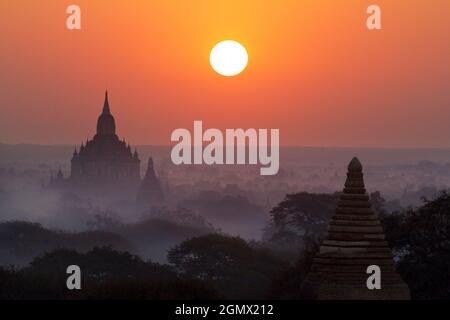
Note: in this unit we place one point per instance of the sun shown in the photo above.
(228, 58)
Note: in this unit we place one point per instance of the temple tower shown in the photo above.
(105, 161)
(355, 240)
(150, 192)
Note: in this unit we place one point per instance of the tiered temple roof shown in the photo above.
(355, 240)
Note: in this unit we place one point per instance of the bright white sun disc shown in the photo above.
(228, 58)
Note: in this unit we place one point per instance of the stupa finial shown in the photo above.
(355, 165)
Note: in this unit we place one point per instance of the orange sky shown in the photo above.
(315, 71)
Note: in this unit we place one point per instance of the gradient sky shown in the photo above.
(315, 71)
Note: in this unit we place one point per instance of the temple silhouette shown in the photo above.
(106, 166)
(105, 159)
(355, 240)
(150, 191)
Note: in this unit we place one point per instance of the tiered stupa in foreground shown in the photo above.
(355, 241)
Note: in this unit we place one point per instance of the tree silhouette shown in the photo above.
(106, 274)
(421, 239)
(228, 263)
(304, 213)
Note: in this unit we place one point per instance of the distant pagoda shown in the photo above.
(105, 167)
(354, 241)
(105, 159)
(150, 192)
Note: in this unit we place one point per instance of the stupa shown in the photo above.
(150, 192)
(355, 240)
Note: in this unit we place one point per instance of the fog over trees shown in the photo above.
(219, 228)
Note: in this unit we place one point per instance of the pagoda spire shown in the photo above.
(106, 125)
(150, 192)
(106, 109)
(150, 173)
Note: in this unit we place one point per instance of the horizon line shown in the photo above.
(281, 146)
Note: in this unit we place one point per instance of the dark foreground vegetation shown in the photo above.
(215, 265)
